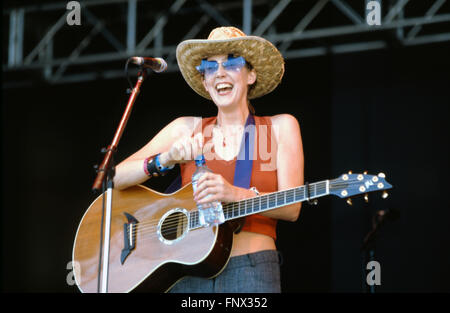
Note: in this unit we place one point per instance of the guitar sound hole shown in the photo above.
(174, 226)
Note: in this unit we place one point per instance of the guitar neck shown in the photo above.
(267, 202)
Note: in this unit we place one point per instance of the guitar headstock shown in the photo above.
(350, 184)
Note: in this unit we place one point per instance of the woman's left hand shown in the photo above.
(218, 188)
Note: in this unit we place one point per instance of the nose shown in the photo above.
(220, 70)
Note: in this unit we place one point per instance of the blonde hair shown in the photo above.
(249, 88)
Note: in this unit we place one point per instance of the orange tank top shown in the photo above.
(264, 173)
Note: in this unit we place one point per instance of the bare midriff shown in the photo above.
(250, 242)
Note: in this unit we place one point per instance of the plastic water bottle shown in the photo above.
(209, 213)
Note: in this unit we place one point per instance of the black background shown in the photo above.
(380, 111)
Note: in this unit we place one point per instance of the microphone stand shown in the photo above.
(105, 177)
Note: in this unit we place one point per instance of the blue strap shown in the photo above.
(244, 161)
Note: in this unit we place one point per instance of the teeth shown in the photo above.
(223, 86)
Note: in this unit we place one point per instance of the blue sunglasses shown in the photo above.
(210, 67)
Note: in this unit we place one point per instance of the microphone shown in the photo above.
(156, 64)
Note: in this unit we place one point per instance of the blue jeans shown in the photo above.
(249, 273)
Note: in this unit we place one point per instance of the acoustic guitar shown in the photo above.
(156, 239)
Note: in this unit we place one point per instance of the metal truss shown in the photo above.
(41, 41)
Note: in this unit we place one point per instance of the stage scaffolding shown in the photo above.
(40, 45)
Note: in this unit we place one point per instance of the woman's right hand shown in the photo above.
(183, 150)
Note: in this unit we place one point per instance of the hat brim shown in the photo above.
(259, 52)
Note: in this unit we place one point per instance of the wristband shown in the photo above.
(152, 167)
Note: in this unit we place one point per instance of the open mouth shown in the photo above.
(224, 88)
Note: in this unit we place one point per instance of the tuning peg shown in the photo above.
(366, 197)
(365, 172)
(382, 175)
(349, 201)
(350, 172)
(385, 194)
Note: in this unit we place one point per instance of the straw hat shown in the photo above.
(259, 52)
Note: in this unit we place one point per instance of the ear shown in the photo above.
(251, 78)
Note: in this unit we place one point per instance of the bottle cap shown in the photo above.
(199, 160)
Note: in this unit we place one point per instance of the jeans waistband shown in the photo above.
(251, 259)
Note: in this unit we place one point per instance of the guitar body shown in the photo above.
(159, 256)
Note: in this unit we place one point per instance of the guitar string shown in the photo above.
(170, 227)
(175, 220)
(272, 199)
(234, 205)
(172, 224)
(166, 232)
(150, 234)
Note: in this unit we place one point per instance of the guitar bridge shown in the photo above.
(129, 234)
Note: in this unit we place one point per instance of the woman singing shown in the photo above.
(230, 69)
